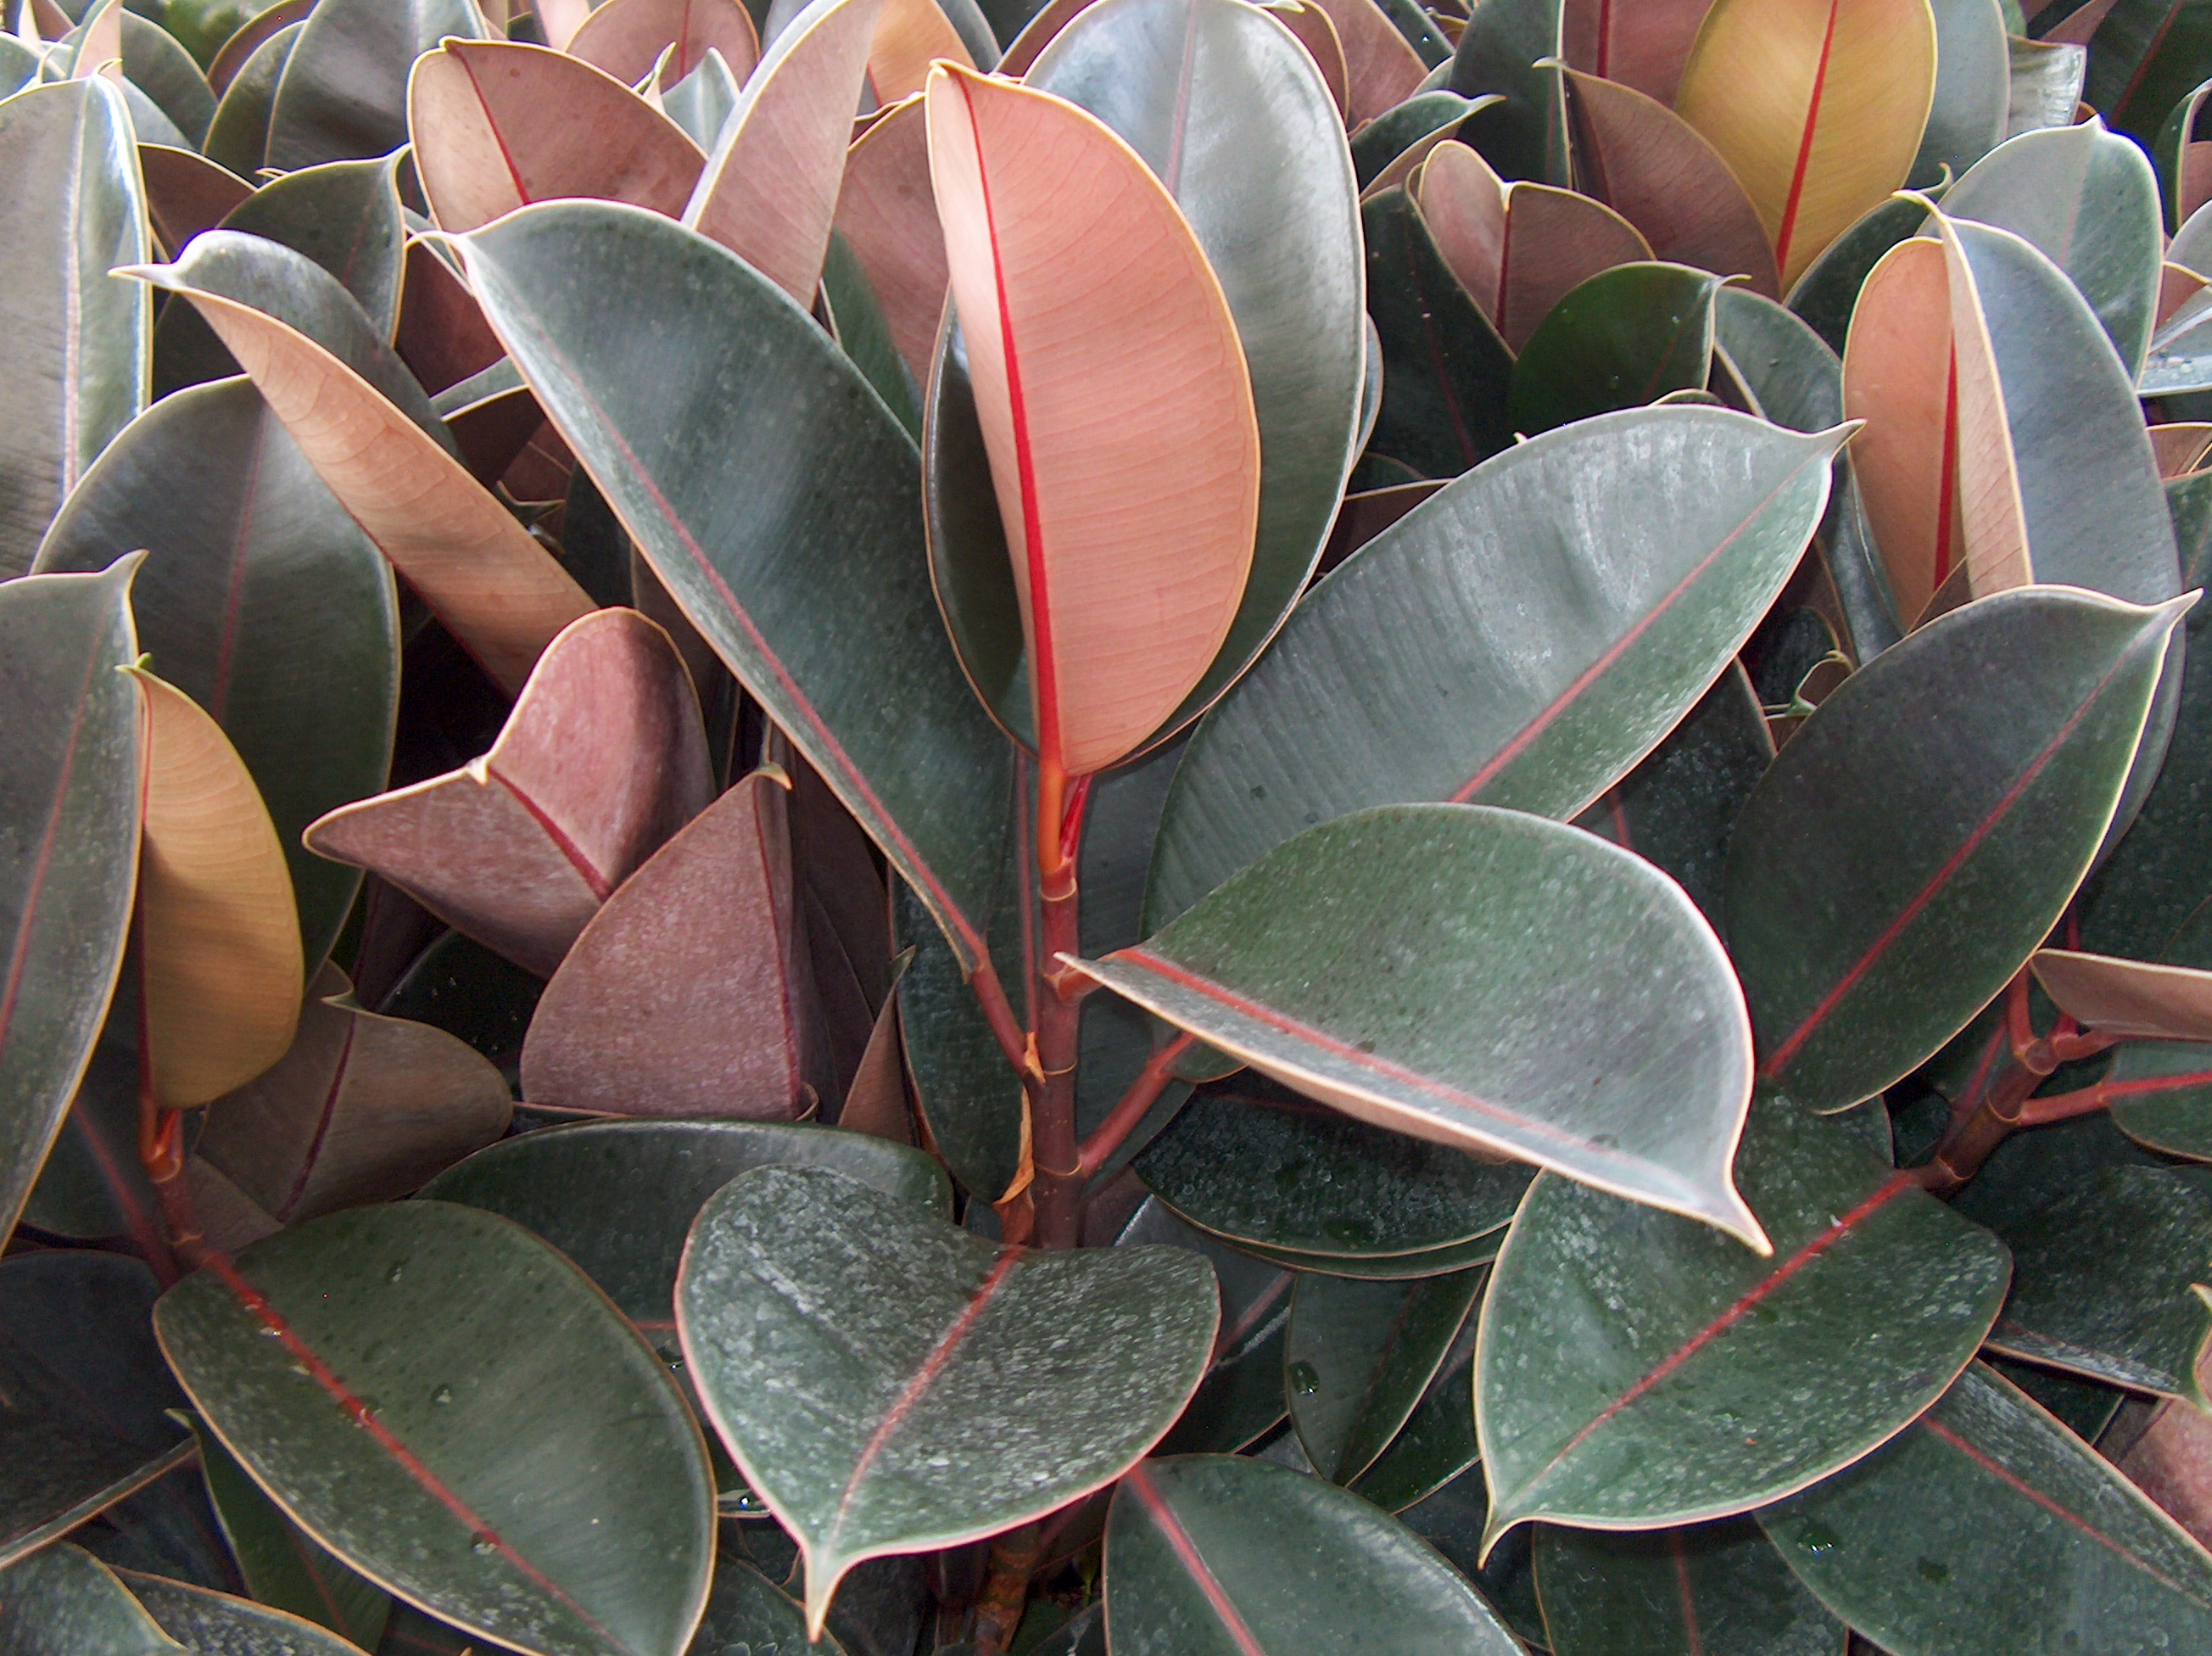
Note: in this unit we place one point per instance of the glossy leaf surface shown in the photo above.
(887, 1382)
(1715, 1590)
(1382, 68)
(1817, 107)
(208, 1623)
(1359, 1355)
(887, 212)
(601, 761)
(2128, 997)
(1958, 846)
(625, 37)
(238, 137)
(384, 1415)
(1604, 1320)
(1973, 99)
(73, 356)
(1411, 675)
(1622, 340)
(63, 1601)
(1987, 1519)
(69, 774)
(1437, 1442)
(342, 95)
(1223, 1555)
(811, 597)
(618, 1197)
(1525, 137)
(261, 599)
(1548, 1061)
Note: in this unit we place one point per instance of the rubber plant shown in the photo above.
(1128, 828)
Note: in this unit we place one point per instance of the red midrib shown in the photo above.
(284, 1211)
(1139, 1483)
(257, 1306)
(1804, 1031)
(1682, 1590)
(498, 137)
(782, 923)
(2150, 55)
(2155, 1084)
(1887, 1192)
(234, 597)
(1790, 207)
(1045, 668)
(1605, 39)
(917, 1384)
(586, 870)
(1946, 490)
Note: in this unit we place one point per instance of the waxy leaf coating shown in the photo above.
(395, 1376)
(1358, 1356)
(64, 1601)
(1635, 1371)
(1425, 967)
(1893, 869)
(1712, 1590)
(1521, 638)
(218, 1624)
(890, 1384)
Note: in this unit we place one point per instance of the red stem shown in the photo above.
(1135, 1104)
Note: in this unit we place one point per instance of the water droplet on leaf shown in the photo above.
(444, 1394)
(1305, 1379)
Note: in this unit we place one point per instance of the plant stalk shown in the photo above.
(1057, 1190)
(1007, 1588)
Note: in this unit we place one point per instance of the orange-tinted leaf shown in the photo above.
(770, 189)
(1642, 44)
(219, 936)
(888, 213)
(498, 124)
(682, 997)
(185, 193)
(2133, 998)
(1115, 402)
(1382, 70)
(562, 18)
(1817, 106)
(1657, 172)
(1310, 24)
(2181, 447)
(626, 38)
(2177, 286)
(910, 36)
(602, 759)
(359, 1109)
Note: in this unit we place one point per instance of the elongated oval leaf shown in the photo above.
(363, 1368)
(498, 124)
(1225, 1556)
(71, 768)
(1641, 47)
(618, 1197)
(770, 191)
(185, 193)
(1635, 1371)
(1815, 105)
(238, 137)
(1110, 440)
(342, 95)
(1987, 1523)
(261, 599)
(2137, 998)
(1411, 675)
(625, 37)
(1890, 874)
(203, 1621)
(1359, 1355)
(1382, 68)
(1555, 241)
(63, 1601)
(811, 597)
(887, 211)
(74, 356)
(1714, 1590)
(603, 758)
(1622, 340)
(1515, 50)
(1973, 98)
(499, 591)
(1544, 1054)
(219, 932)
(889, 1384)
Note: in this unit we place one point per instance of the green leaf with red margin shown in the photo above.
(889, 1384)
(1622, 340)
(1437, 1442)
(809, 593)
(1892, 870)
(83, 1392)
(1988, 1526)
(1548, 1056)
(1360, 1353)
(342, 95)
(1710, 1590)
(364, 1369)
(64, 1601)
(2146, 57)
(70, 756)
(1229, 1556)
(1636, 1370)
(202, 1620)
(1521, 638)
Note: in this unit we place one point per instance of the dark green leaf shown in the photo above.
(1360, 1353)
(2082, 1407)
(64, 1602)
(1825, 295)
(1254, 1163)
(157, 65)
(1393, 132)
(1622, 340)
(748, 1612)
(1592, 1068)
(93, 1185)
(2143, 59)
(1225, 1556)
(1974, 90)
(1385, 1268)
(262, 601)
(1437, 1442)
(386, 1373)
(808, 580)
(1892, 871)
(1987, 1525)
(73, 355)
(618, 1197)
(70, 756)
(343, 95)
(1446, 374)
(970, 1095)
(862, 333)
(1525, 135)
(888, 1383)
(1521, 638)
(1637, 1371)
(216, 1624)
(83, 1392)
(1712, 1589)
(238, 137)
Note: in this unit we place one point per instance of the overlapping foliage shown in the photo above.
(1136, 828)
